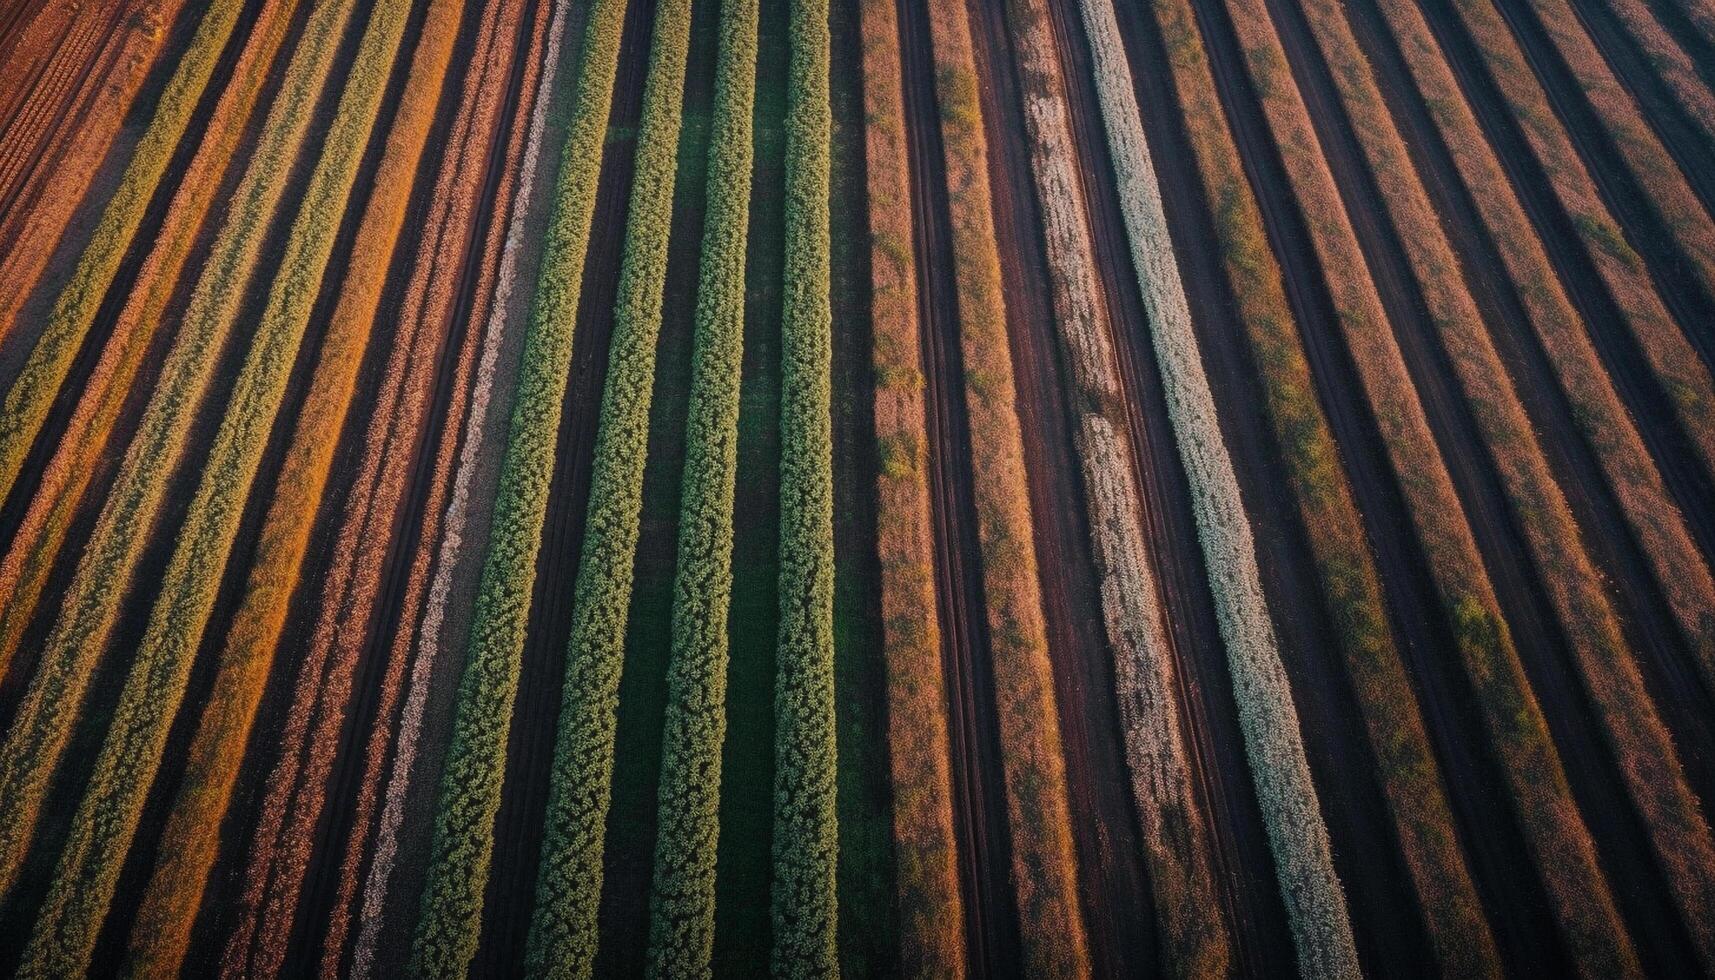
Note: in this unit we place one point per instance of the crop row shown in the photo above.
(1670, 812)
(296, 789)
(563, 934)
(682, 900)
(1517, 731)
(469, 797)
(32, 393)
(429, 640)
(51, 182)
(932, 936)
(1637, 483)
(1670, 61)
(31, 552)
(44, 720)
(75, 62)
(804, 907)
(192, 834)
(105, 821)
(1044, 860)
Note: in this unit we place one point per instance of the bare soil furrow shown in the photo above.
(991, 924)
(1647, 228)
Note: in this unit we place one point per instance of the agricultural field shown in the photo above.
(687, 488)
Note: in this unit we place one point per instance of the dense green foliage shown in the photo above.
(682, 904)
(805, 832)
(44, 720)
(101, 831)
(447, 933)
(32, 394)
(563, 935)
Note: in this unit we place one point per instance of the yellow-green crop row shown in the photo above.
(682, 901)
(91, 604)
(805, 843)
(451, 919)
(563, 934)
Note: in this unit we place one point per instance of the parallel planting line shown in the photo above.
(805, 837)
(36, 542)
(161, 934)
(1298, 838)
(1647, 757)
(32, 394)
(932, 938)
(1517, 730)
(88, 871)
(1598, 125)
(44, 720)
(296, 792)
(429, 641)
(682, 901)
(449, 928)
(1592, 404)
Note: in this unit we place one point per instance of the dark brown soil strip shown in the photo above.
(17, 917)
(979, 796)
(39, 305)
(1669, 667)
(1666, 115)
(1673, 18)
(1645, 228)
(1477, 792)
(1621, 840)
(1649, 405)
(1240, 845)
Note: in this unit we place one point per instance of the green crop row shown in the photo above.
(682, 903)
(563, 935)
(32, 394)
(91, 604)
(805, 831)
(450, 923)
(101, 831)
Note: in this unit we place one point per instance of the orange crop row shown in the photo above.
(1045, 868)
(1648, 759)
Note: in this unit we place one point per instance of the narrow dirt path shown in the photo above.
(980, 821)
(1650, 627)
(1645, 228)
(1638, 386)
(1614, 823)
